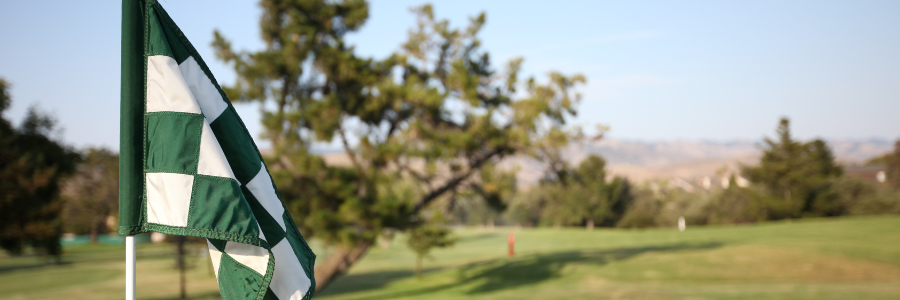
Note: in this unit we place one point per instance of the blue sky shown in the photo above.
(657, 70)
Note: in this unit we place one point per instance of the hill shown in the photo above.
(685, 159)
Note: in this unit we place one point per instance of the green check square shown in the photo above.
(173, 142)
(237, 281)
(218, 204)
(237, 144)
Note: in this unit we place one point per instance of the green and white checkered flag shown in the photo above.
(199, 172)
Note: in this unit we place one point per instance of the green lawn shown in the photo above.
(846, 258)
(98, 272)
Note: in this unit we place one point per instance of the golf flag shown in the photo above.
(190, 167)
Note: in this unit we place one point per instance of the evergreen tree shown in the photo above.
(620, 197)
(32, 164)
(436, 112)
(92, 193)
(584, 196)
(892, 164)
(422, 239)
(482, 202)
(797, 176)
(589, 193)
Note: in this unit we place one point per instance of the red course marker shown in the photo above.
(511, 241)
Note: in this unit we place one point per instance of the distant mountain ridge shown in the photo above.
(621, 151)
(691, 159)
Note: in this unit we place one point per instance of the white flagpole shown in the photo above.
(129, 267)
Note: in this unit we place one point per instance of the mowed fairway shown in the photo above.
(845, 258)
(97, 272)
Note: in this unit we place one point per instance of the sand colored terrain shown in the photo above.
(685, 159)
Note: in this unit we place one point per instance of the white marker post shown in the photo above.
(129, 267)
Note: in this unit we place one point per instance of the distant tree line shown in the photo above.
(33, 162)
(92, 194)
(48, 188)
(582, 196)
(792, 179)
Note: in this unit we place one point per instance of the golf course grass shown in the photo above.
(841, 258)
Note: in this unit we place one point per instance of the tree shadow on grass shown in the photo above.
(368, 281)
(207, 295)
(499, 274)
(477, 237)
(507, 274)
(35, 265)
(27, 262)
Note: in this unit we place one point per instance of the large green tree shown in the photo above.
(32, 164)
(582, 195)
(891, 163)
(436, 112)
(92, 194)
(485, 199)
(797, 175)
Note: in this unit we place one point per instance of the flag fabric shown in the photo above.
(201, 174)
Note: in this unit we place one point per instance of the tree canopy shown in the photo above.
(892, 163)
(92, 193)
(797, 176)
(581, 196)
(32, 164)
(435, 113)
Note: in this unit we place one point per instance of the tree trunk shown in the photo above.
(95, 230)
(418, 266)
(93, 234)
(590, 224)
(338, 263)
(179, 261)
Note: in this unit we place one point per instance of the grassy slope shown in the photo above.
(849, 258)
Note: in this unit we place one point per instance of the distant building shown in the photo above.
(741, 181)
